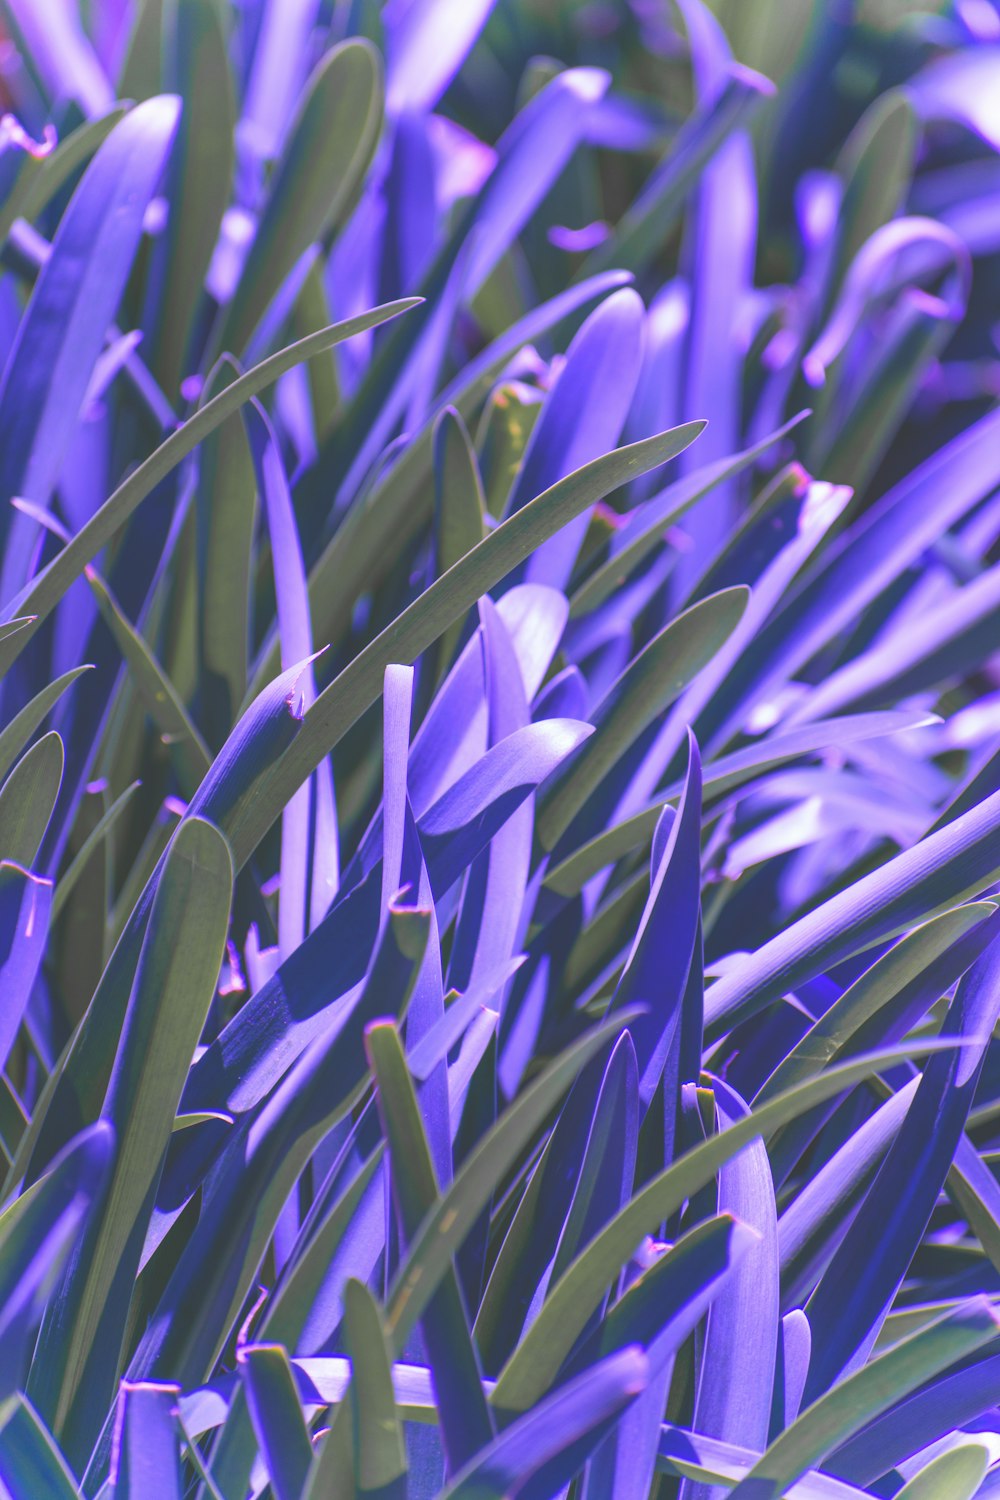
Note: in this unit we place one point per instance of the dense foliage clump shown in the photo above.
(499, 770)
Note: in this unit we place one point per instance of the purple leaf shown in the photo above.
(847, 1308)
(523, 1264)
(885, 541)
(50, 34)
(320, 977)
(309, 860)
(721, 253)
(146, 1456)
(489, 921)
(955, 1400)
(962, 86)
(582, 418)
(656, 972)
(426, 43)
(482, 800)
(277, 1416)
(942, 869)
(736, 1376)
(796, 1350)
(412, 210)
(814, 1224)
(607, 1166)
(76, 296)
(278, 72)
(659, 1310)
(265, 730)
(37, 1232)
(542, 1450)
(262, 1160)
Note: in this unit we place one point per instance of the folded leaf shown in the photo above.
(147, 1443)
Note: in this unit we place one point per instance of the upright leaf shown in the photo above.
(80, 1349)
(326, 154)
(75, 299)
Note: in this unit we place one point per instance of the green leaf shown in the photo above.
(903, 963)
(386, 520)
(27, 799)
(23, 725)
(860, 1397)
(277, 1417)
(851, 438)
(876, 166)
(645, 535)
(459, 509)
(263, 1158)
(200, 180)
(379, 1448)
(720, 777)
(142, 71)
(566, 1310)
(692, 1455)
(31, 1465)
(226, 503)
(329, 147)
(955, 1475)
(160, 698)
(465, 1418)
(459, 503)
(13, 1121)
(645, 689)
(39, 181)
(79, 1348)
(199, 1117)
(12, 627)
(45, 591)
(359, 685)
(445, 1228)
(285, 1317)
(163, 703)
(507, 422)
(91, 843)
